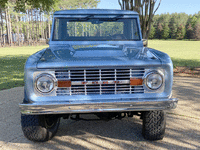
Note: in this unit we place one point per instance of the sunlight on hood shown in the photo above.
(100, 52)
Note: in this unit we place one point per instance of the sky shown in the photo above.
(167, 6)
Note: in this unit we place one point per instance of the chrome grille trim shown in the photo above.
(99, 81)
(85, 81)
(70, 90)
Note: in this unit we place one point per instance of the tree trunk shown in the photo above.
(30, 38)
(27, 27)
(49, 30)
(42, 29)
(10, 30)
(37, 27)
(2, 28)
(33, 34)
(41, 25)
(146, 11)
(7, 27)
(1, 25)
(17, 27)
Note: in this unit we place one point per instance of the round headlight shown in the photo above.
(154, 81)
(45, 83)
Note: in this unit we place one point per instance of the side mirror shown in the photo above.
(145, 42)
(47, 41)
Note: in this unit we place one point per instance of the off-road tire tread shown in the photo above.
(154, 123)
(34, 128)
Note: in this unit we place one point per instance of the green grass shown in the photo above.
(182, 53)
(19, 51)
(12, 62)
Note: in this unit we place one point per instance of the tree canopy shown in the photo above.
(21, 4)
(48, 5)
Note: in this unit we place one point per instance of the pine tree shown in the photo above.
(165, 32)
(180, 32)
(152, 32)
(189, 32)
(173, 26)
(159, 31)
(196, 31)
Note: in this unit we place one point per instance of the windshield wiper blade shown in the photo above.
(92, 17)
(88, 17)
(113, 18)
(118, 17)
(82, 19)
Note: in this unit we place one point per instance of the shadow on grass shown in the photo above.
(186, 63)
(12, 71)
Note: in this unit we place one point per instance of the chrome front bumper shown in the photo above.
(98, 106)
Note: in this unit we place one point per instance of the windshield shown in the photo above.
(96, 29)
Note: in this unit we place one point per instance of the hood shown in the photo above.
(96, 55)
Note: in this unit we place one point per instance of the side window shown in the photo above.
(55, 37)
(134, 27)
(60, 29)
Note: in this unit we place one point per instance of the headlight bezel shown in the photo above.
(45, 75)
(154, 72)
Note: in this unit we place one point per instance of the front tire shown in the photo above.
(154, 123)
(39, 128)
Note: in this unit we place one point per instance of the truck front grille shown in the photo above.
(99, 81)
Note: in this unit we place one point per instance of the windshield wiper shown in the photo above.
(118, 17)
(92, 17)
(88, 17)
(83, 19)
(113, 18)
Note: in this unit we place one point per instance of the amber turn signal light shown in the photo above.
(136, 82)
(65, 83)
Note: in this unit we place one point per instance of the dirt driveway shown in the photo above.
(183, 126)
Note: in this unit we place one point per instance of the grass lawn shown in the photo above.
(12, 60)
(182, 53)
